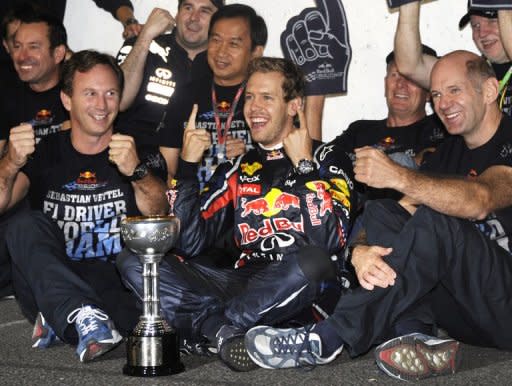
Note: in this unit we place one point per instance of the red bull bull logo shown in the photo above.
(223, 106)
(322, 193)
(257, 207)
(271, 204)
(86, 177)
(286, 200)
(387, 142)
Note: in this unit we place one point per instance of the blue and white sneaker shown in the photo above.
(96, 332)
(418, 356)
(280, 348)
(43, 335)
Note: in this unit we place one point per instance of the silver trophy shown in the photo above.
(153, 347)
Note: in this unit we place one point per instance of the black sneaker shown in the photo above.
(417, 356)
(231, 349)
(189, 346)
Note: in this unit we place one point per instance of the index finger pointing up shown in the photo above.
(191, 124)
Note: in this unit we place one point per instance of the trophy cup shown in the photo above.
(153, 347)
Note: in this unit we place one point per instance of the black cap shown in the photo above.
(488, 13)
(425, 49)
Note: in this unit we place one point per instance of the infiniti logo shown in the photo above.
(281, 240)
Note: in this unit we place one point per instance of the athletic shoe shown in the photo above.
(42, 335)
(190, 346)
(96, 332)
(279, 348)
(418, 356)
(231, 349)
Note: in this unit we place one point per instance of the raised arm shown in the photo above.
(149, 189)
(13, 183)
(158, 22)
(410, 60)
(314, 110)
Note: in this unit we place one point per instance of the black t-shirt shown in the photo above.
(44, 110)
(453, 157)
(501, 70)
(425, 133)
(166, 70)
(178, 113)
(411, 139)
(84, 194)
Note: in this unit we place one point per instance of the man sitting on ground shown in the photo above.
(81, 183)
(287, 204)
(448, 238)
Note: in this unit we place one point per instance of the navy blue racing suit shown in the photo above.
(285, 227)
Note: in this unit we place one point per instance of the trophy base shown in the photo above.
(152, 356)
(152, 371)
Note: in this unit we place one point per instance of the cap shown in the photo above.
(488, 13)
(425, 49)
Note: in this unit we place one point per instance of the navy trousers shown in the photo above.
(197, 290)
(46, 280)
(466, 278)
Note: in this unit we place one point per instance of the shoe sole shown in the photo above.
(95, 349)
(410, 359)
(233, 353)
(41, 335)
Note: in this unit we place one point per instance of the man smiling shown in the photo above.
(237, 34)
(63, 251)
(287, 205)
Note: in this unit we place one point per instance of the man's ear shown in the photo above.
(257, 52)
(59, 53)
(66, 100)
(5, 46)
(490, 90)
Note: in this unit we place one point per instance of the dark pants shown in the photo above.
(46, 280)
(467, 279)
(5, 259)
(195, 292)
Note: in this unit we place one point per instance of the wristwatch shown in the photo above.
(304, 166)
(130, 21)
(140, 171)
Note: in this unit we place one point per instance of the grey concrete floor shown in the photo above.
(22, 365)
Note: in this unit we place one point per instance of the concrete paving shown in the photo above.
(22, 365)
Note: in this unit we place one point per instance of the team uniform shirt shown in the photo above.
(179, 111)
(410, 140)
(505, 97)
(167, 68)
(455, 158)
(43, 110)
(85, 195)
(271, 210)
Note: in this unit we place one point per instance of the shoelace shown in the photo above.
(295, 343)
(86, 317)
